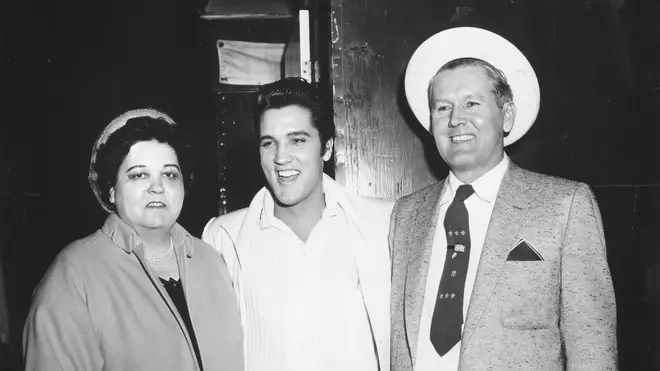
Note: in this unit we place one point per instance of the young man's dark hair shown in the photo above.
(296, 91)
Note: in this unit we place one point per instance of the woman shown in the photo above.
(141, 293)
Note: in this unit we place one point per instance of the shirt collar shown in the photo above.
(333, 207)
(127, 238)
(486, 187)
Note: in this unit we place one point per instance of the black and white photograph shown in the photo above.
(330, 185)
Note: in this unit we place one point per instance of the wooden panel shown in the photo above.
(578, 131)
(377, 152)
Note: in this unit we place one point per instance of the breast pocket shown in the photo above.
(529, 294)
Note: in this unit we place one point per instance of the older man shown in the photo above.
(309, 260)
(494, 267)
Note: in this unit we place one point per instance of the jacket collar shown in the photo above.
(486, 187)
(125, 237)
(335, 203)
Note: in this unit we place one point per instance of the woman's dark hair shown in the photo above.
(142, 129)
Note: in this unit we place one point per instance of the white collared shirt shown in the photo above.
(303, 304)
(480, 207)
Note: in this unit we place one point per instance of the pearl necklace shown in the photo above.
(160, 260)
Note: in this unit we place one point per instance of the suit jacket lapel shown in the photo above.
(506, 220)
(420, 247)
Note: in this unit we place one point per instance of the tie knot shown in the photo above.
(463, 192)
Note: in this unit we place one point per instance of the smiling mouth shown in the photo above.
(155, 205)
(464, 138)
(288, 174)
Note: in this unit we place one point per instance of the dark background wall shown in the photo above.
(67, 69)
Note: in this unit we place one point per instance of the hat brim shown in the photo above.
(117, 123)
(464, 42)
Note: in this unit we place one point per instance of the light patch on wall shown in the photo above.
(249, 63)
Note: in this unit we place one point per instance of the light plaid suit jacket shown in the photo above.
(556, 314)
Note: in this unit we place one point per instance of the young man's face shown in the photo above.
(467, 123)
(291, 157)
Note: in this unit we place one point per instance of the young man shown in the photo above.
(309, 261)
(495, 267)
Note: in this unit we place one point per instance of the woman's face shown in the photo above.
(149, 190)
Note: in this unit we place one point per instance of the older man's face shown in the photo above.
(466, 122)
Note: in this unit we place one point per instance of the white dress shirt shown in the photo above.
(480, 207)
(303, 304)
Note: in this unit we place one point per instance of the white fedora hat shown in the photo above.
(464, 42)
